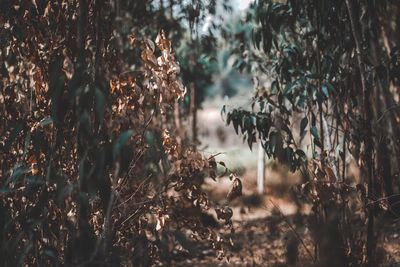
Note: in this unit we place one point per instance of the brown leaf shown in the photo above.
(236, 190)
(32, 159)
(330, 173)
(224, 213)
(132, 39)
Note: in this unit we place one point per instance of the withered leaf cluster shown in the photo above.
(93, 168)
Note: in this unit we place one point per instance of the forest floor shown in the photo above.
(268, 227)
(264, 225)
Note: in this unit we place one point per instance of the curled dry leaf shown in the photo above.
(161, 222)
(330, 173)
(212, 165)
(132, 39)
(224, 213)
(141, 102)
(236, 190)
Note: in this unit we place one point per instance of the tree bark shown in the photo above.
(193, 109)
(368, 141)
(260, 169)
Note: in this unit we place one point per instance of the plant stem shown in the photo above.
(368, 142)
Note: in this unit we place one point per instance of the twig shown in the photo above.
(134, 193)
(388, 206)
(387, 111)
(131, 216)
(368, 138)
(213, 156)
(293, 230)
(131, 166)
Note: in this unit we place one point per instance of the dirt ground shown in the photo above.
(268, 228)
(261, 231)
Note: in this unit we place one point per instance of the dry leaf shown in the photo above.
(236, 190)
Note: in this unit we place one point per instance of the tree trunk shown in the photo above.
(193, 109)
(368, 141)
(260, 169)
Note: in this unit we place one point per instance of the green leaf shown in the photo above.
(18, 172)
(33, 183)
(63, 192)
(314, 91)
(50, 252)
(302, 99)
(57, 100)
(236, 125)
(257, 38)
(250, 139)
(317, 143)
(313, 119)
(314, 132)
(303, 125)
(223, 110)
(272, 141)
(119, 144)
(262, 105)
(267, 40)
(247, 124)
(228, 119)
(311, 76)
(325, 91)
(289, 88)
(288, 152)
(84, 121)
(330, 87)
(46, 121)
(237, 120)
(275, 86)
(5, 191)
(301, 154)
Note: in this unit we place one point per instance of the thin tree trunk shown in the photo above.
(177, 120)
(99, 39)
(320, 104)
(193, 109)
(328, 145)
(368, 141)
(260, 169)
(388, 154)
(177, 115)
(171, 9)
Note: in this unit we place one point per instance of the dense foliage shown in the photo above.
(99, 166)
(95, 170)
(327, 82)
